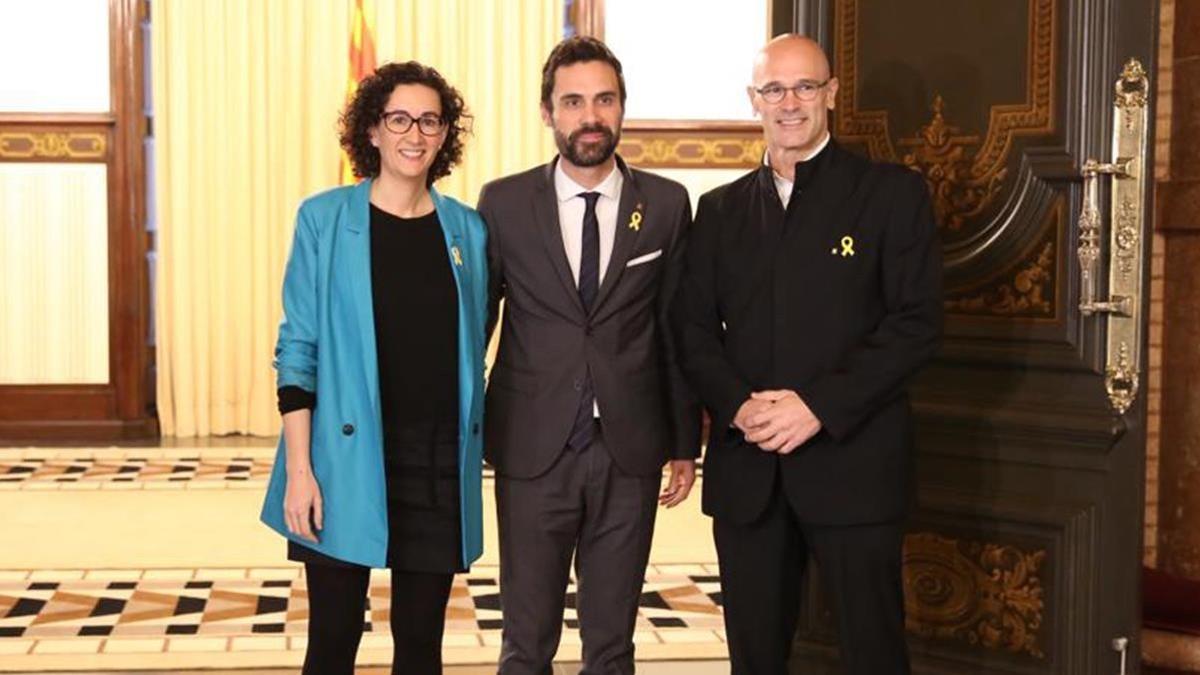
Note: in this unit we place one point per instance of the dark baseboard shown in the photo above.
(76, 432)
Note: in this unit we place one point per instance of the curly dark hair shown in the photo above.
(578, 49)
(366, 109)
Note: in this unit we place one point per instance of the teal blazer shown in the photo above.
(327, 345)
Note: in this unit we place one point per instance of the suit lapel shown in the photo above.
(453, 225)
(625, 237)
(545, 212)
(452, 229)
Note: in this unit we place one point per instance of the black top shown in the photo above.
(416, 321)
(416, 324)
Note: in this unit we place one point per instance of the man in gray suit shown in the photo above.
(585, 401)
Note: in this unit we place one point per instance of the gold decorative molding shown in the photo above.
(1132, 89)
(1023, 296)
(71, 145)
(1025, 289)
(940, 156)
(1036, 115)
(978, 593)
(968, 183)
(852, 124)
(1121, 380)
(1126, 252)
(692, 150)
(1028, 294)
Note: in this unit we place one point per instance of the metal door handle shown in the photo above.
(1127, 237)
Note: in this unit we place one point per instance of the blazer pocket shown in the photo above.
(641, 259)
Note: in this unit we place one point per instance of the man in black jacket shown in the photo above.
(811, 294)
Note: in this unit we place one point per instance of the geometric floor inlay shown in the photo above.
(120, 611)
(133, 469)
(205, 617)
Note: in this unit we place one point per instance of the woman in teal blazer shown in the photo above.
(380, 377)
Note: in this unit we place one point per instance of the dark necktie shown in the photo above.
(589, 254)
(584, 429)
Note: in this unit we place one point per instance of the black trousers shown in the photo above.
(337, 603)
(762, 570)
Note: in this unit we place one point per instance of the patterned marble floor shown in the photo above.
(134, 614)
(112, 619)
(133, 468)
(141, 468)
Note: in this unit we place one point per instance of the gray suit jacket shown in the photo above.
(548, 343)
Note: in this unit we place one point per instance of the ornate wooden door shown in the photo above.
(1024, 550)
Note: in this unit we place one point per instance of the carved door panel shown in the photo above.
(1024, 550)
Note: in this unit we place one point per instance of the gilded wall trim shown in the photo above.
(53, 145)
(693, 150)
(979, 594)
(963, 184)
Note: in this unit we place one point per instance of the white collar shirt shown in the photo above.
(571, 208)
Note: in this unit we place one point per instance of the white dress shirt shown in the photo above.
(783, 185)
(570, 216)
(570, 220)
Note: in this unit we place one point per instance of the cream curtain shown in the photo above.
(54, 272)
(246, 96)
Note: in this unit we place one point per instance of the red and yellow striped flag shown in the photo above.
(362, 63)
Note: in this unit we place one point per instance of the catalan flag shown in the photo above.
(362, 62)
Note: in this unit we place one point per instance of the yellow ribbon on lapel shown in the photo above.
(847, 247)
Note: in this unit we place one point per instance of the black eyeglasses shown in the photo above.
(805, 90)
(399, 122)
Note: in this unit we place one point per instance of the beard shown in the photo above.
(586, 154)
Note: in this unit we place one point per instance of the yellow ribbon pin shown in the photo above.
(457, 255)
(635, 221)
(847, 247)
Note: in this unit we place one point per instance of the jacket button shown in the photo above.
(347, 429)
(475, 429)
(578, 385)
